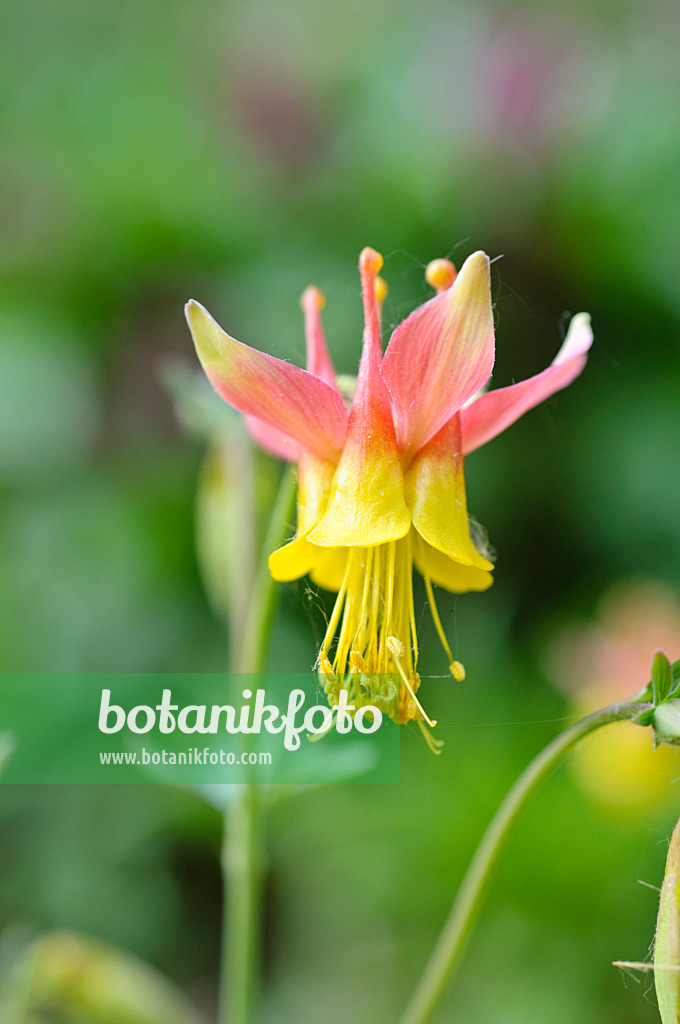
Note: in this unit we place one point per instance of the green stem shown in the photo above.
(243, 856)
(470, 896)
(243, 870)
(252, 650)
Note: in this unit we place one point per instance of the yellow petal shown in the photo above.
(299, 557)
(443, 571)
(293, 560)
(366, 505)
(329, 568)
(315, 477)
(435, 493)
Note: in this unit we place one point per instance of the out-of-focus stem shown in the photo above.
(242, 871)
(251, 651)
(470, 896)
(243, 852)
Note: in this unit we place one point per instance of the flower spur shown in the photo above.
(381, 486)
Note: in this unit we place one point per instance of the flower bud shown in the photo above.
(666, 722)
(81, 979)
(667, 942)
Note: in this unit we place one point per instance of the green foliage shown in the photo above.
(662, 678)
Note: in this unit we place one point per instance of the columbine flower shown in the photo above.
(381, 487)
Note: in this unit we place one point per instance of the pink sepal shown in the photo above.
(440, 355)
(272, 440)
(494, 411)
(286, 397)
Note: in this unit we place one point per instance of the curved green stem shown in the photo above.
(243, 857)
(470, 896)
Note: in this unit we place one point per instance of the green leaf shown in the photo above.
(662, 678)
(645, 717)
(675, 668)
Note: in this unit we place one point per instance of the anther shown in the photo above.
(312, 296)
(440, 274)
(435, 745)
(397, 649)
(370, 261)
(325, 665)
(357, 662)
(457, 670)
(380, 287)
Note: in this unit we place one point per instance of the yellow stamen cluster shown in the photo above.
(376, 653)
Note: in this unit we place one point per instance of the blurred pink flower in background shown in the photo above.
(607, 659)
(533, 80)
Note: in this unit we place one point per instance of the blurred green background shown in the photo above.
(236, 152)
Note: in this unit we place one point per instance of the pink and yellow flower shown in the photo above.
(381, 486)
